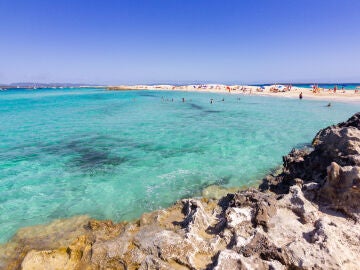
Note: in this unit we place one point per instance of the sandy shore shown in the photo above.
(272, 90)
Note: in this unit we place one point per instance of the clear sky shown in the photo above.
(154, 41)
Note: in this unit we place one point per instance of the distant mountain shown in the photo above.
(39, 84)
(45, 85)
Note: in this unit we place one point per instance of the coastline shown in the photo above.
(224, 122)
(310, 205)
(325, 95)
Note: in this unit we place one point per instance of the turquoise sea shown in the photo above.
(346, 86)
(115, 155)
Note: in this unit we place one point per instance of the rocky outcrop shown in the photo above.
(341, 189)
(303, 218)
(329, 172)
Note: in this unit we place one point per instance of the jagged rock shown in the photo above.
(342, 189)
(195, 216)
(230, 260)
(263, 205)
(301, 206)
(339, 143)
(262, 247)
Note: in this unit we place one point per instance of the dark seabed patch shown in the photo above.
(89, 159)
(89, 153)
(169, 153)
(212, 111)
(98, 153)
(93, 154)
(223, 180)
(195, 106)
(20, 153)
(148, 95)
(97, 97)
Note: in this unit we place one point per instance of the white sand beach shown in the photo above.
(272, 90)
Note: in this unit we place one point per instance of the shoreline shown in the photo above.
(211, 192)
(349, 95)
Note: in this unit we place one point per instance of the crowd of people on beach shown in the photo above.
(316, 89)
(286, 89)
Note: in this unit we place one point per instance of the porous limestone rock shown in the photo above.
(341, 189)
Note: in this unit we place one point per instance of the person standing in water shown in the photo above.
(300, 96)
(183, 99)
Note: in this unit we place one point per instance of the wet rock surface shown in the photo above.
(306, 217)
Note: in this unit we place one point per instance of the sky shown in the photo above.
(173, 41)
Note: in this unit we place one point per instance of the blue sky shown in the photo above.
(119, 41)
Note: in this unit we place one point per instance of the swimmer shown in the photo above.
(329, 105)
(211, 101)
(183, 99)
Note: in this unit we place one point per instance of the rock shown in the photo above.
(262, 247)
(262, 204)
(59, 233)
(342, 189)
(217, 192)
(339, 143)
(195, 216)
(63, 258)
(230, 260)
(304, 209)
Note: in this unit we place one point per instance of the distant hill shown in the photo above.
(44, 85)
(22, 84)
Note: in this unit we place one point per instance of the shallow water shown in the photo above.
(340, 86)
(114, 155)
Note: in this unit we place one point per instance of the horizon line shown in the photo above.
(169, 83)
